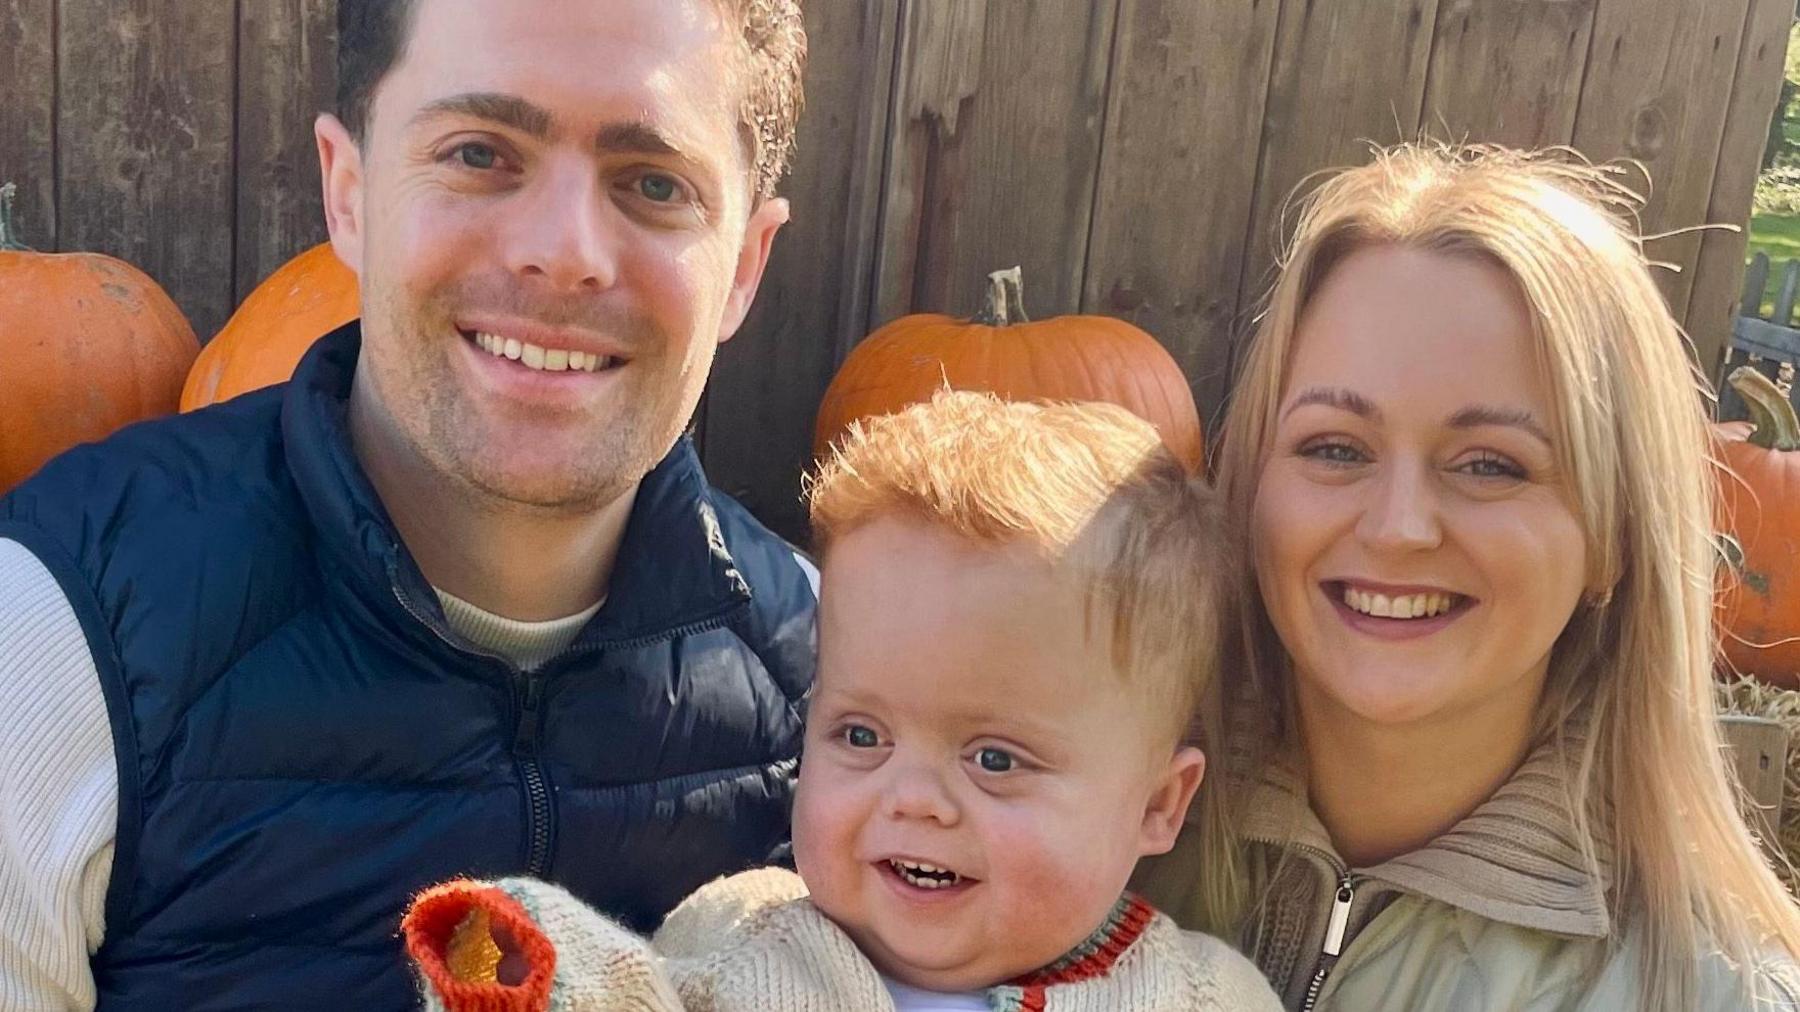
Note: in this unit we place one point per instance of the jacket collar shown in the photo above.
(1516, 859)
(673, 568)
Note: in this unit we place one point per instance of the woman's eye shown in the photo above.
(1490, 465)
(476, 156)
(857, 736)
(1332, 452)
(658, 189)
(995, 760)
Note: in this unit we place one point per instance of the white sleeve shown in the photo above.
(811, 571)
(59, 794)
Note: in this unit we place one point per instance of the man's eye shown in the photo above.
(476, 156)
(659, 189)
(994, 760)
(857, 736)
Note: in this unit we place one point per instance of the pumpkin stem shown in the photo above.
(1776, 427)
(1005, 299)
(8, 241)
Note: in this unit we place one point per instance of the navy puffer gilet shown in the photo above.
(303, 743)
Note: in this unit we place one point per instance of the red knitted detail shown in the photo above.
(434, 917)
(1132, 921)
(1033, 999)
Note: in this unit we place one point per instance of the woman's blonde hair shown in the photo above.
(1651, 788)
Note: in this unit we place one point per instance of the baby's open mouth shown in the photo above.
(924, 876)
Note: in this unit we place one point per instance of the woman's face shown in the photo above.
(1416, 546)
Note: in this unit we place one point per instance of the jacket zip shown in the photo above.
(1336, 927)
(1334, 940)
(531, 769)
(525, 754)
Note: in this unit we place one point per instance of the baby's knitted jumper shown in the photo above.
(755, 943)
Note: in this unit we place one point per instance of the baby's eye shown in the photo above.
(858, 736)
(995, 760)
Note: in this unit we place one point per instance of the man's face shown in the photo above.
(554, 228)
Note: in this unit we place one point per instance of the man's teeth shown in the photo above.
(544, 360)
(925, 876)
(1408, 606)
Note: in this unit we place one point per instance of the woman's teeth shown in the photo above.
(1408, 606)
(925, 876)
(544, 360)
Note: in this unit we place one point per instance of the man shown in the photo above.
(457, 599)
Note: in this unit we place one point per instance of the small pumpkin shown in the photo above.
(305, 299)
(1759, 601)
(92, 344)
(1000, 351)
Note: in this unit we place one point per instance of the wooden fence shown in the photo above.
(1133, 155)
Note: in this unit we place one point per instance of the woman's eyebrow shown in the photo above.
(1516, 418)
(1335, 397)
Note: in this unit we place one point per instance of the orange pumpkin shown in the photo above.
(1759, 600)
(308, 297)
(91, 345)
(1069, 358)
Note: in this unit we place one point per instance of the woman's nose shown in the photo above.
(565, 232)
(918, 791)
(1400, 512)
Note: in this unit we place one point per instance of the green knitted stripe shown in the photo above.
(1006, 998)
(1101, 936)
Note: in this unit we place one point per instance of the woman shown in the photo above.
(1467, 450)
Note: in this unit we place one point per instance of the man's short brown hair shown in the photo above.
(372, 37)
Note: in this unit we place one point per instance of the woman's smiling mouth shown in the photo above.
(1395, 612)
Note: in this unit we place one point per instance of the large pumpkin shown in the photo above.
(1759, 600)
(1069, 358)
(91, 344)
(308, 297)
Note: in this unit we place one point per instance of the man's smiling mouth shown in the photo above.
(538, 358)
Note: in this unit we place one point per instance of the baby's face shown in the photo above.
(978, 781)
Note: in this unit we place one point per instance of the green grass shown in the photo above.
(1779, 237)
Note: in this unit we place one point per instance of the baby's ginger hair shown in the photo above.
(1090, 486)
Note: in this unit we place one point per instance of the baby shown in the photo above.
(1015, 636)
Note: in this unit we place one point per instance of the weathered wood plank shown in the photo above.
(1755, 88)
(1657, 76)
(766, 386)
(28, 116)
(287, 74)
(1507, 71)
(1176, 179)
(144, 132)
(1345, 73)
(995, 152)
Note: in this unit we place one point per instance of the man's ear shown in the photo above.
(1166, 810)
(341, 178)
(753, 258)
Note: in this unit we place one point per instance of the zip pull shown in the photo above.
(1340, 917)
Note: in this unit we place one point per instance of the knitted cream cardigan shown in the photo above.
(754, 943)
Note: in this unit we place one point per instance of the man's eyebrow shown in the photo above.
(506, 110)
(1335, 397)
(1517, 418)
(634, 137)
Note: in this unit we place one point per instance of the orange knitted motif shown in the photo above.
(431, 925)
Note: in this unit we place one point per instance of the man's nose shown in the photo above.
(918, 791)
(565, 232)
(1401, 510)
